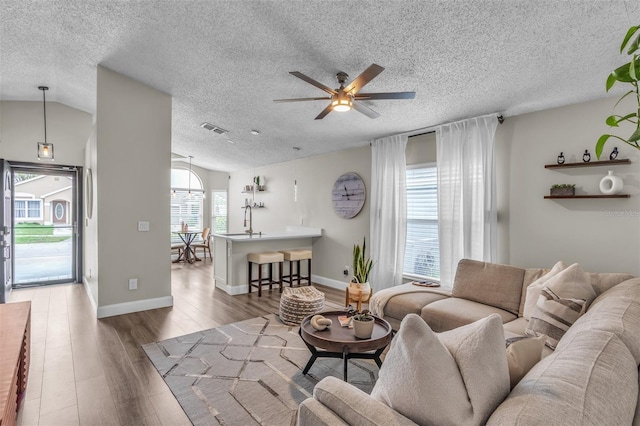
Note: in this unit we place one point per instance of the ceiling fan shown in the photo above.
(345, 98)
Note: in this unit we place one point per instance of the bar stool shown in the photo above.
(296, 256)
(269, 257)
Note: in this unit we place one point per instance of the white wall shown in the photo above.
(602, 235)
(315, 177)
(90, 258)
(22, 127)
(133, 151)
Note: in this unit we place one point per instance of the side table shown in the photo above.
(340, 342)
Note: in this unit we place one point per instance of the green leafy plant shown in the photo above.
(563, 185)
(361, 263)
(627, 73)
(365, 315)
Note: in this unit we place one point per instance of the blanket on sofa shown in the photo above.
(379, 300)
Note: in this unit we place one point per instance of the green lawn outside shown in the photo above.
(27, 233)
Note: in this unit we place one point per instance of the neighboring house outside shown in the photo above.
(43, 199)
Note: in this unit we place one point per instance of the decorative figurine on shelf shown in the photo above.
(586, 157)
(614, 153)
(561, 158)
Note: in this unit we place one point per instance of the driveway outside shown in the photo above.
(36, 262)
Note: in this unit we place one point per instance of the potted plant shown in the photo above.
(359, 287)
(563, 190)
(363, 324)
(628, 73)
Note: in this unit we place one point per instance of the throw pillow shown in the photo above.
(522, 355)
(456, 377)
(533, 290)
(554, 315)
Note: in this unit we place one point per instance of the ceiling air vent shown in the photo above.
(214, 128)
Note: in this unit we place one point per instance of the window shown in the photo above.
(219, 209)
(422, 255)
(28, 209)
(187, 202)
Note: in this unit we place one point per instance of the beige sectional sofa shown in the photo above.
(590, 378)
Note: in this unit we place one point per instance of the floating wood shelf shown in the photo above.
(589, 164)
(557, 197)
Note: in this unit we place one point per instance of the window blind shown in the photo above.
(422, 256)
(188, 209)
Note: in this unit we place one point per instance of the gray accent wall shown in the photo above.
(315, 177)
(133, 151)
(603, 235)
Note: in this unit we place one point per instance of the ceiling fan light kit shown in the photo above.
(341, 103)
(346, 98)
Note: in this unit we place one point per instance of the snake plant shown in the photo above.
(361, 263)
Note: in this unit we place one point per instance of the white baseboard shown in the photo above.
(94, 305)
(135, 306)
(232, 290)
(340, 285)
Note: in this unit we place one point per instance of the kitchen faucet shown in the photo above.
(250, 230)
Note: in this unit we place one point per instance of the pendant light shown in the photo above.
(45, 150)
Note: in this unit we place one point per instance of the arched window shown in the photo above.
(187, 201)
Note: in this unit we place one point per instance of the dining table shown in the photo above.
(187, 254)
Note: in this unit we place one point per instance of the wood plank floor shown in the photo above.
(86, 371)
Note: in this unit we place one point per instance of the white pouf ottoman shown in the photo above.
(298, 302)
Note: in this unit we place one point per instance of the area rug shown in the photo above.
(247, 373)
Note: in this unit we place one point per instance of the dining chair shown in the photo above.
(205, 244)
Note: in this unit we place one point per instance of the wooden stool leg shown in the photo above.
(280, 275)
(298, 271)
(270, 276)
(308, 271)
(259, 280)
(290, 273)
(249, 275)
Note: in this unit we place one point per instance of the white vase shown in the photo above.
(363, 329)
(611, 184)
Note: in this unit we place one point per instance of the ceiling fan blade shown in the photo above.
(324, 112)
(366, 76)
(388, 95)
(301, 99)
(365, 110)
(313, 82)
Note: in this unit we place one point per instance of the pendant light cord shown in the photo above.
(44, 108)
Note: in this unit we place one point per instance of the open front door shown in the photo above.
(6, 264)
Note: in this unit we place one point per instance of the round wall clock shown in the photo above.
(348, 195)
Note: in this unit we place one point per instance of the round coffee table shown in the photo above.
(340, 342)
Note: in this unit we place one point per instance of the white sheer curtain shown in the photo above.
(388, 210)
(467, 216)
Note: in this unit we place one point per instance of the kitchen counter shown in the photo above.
(259, 236)
(231, 249)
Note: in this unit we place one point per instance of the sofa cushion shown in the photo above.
(530, 275)
(409, 303)
(553, 316)
(533, 290)
(591, 381)
(517, 326)
(603, 281)
(629, 288)
(352, 405)
(447, 314)
(457, 377)
(619, 315)
(489, 283)
(522, 354)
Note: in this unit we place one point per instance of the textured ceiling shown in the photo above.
(225, 61)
